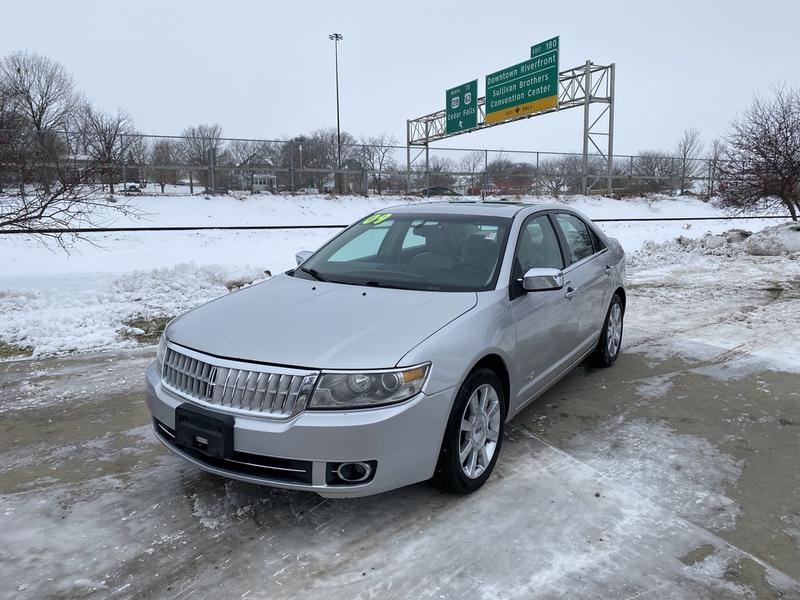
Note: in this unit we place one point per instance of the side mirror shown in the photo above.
(540, 280)
(301, 256)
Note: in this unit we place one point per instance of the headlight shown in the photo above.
(162, 351)
(371, 388)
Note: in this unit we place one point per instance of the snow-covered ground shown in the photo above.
(53, 302)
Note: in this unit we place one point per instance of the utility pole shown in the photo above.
(336, 38)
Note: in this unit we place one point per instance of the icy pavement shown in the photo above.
(611, 486)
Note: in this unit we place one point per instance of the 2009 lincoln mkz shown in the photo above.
(395, 353)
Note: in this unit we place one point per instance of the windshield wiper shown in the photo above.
(315, 274)
(398, 286)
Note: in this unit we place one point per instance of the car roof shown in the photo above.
(492, 208)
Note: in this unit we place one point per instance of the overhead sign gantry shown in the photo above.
(530, 88)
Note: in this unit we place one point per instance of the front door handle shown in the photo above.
(571, 291)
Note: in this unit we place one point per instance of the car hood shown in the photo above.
(296, 322)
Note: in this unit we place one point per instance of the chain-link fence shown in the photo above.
(173, 165)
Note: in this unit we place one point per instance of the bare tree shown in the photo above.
(689, 150)
(376, 156)
(762, 164)
(52, 208)
(319, 155)
(41, 88)
(471, 162)
(52, 211)
(714, 157)
(499, 171)
(654, 171)
(13, 139)
(196, 148)
(164, 157)
(106, 140)
(52, 195)
(248, 152)
(559, 175)
(41, 93)
(10, 117)
(441, 172)
(138, 156)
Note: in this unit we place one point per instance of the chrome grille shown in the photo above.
(278, 394)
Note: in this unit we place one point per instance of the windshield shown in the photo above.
(414, 251)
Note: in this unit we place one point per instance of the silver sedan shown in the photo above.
(395, 353)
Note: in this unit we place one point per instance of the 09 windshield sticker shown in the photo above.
(376, 219)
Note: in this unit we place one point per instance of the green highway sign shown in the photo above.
(546, 46)
(525, 88)
(461, 107)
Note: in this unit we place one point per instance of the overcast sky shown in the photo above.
(265, 69)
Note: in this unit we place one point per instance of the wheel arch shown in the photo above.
(620, 291)
(495, 363)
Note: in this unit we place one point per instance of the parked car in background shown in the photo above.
(436, 191)
(395, 353)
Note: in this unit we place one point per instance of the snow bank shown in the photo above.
(774, 241)
(74, 315)
(731, 299)
(778, 240)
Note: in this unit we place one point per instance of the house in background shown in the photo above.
(263, 182)
(255, 174)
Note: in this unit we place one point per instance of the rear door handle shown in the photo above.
(571, 291)
(608, 270)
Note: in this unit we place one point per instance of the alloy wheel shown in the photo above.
(614, 330)
(479, 432)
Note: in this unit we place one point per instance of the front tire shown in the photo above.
(474, 434)
(610, 341)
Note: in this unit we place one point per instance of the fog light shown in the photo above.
(354, 472)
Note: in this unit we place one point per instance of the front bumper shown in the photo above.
(404, 441)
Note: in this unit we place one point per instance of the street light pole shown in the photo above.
(337, 37)
(302, 180)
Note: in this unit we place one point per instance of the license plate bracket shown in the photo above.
(204, 431)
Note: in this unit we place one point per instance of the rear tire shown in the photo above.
(610, 342)
(474, 434)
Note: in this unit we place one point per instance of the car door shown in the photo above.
(545, 321)
(586, 277)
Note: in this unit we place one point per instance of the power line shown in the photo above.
(82, 230)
